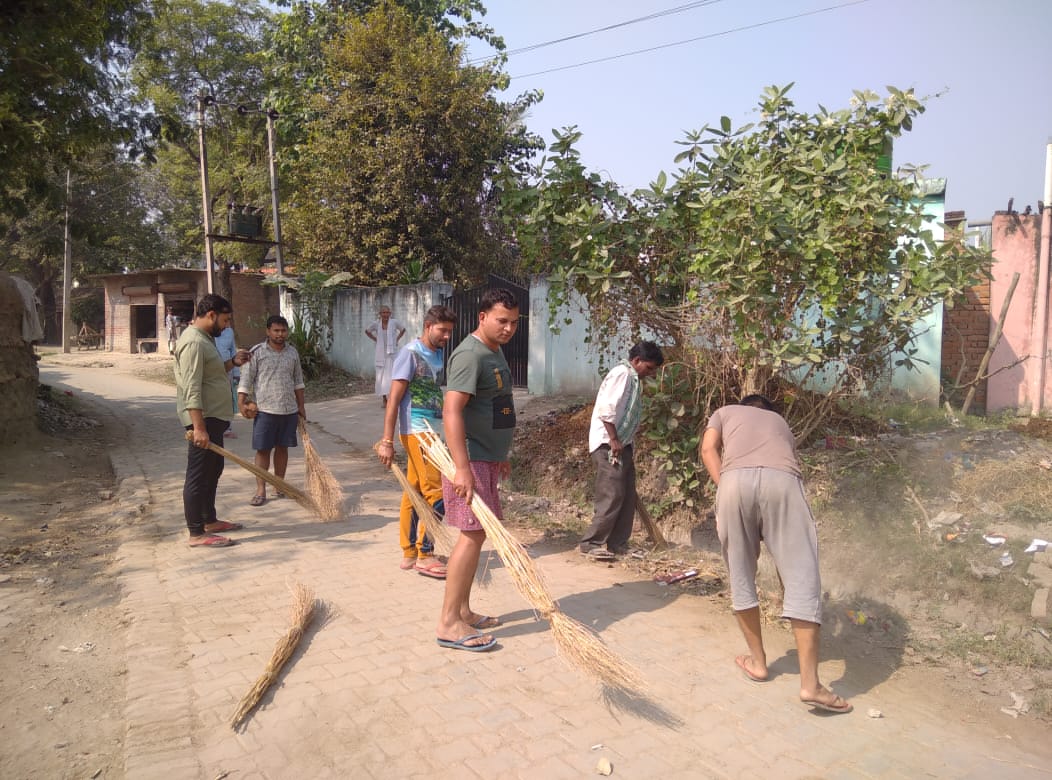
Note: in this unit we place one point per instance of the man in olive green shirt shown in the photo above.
(203, 404)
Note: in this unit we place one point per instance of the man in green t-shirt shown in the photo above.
(478, 418)
(203, 404)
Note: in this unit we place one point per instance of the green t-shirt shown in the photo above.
(200, 377)
(489, 416)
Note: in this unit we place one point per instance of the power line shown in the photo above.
(637, 20)
(693, 40)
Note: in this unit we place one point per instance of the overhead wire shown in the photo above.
(692, 40)
(617, 25)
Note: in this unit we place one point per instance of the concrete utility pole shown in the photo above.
(67, 277)
(1041, 315)
(206, 198)
(271, 116)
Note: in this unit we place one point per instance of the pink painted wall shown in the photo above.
(1015, 239)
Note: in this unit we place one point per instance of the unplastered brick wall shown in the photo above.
(253, 302)
(965, 338)
(965, 333)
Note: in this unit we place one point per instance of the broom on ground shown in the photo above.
(303, 609)
(287, 488)
(322, 486)
(579, 645)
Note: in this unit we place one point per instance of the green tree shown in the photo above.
(779, 250)
(395, 168)
(62, 92)
(111, 228)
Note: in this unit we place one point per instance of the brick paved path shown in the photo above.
(370, 695)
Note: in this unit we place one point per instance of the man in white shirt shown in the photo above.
(385, 331)
(615, 420)
(274, 378)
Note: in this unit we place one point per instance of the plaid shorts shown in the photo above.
(487, 477)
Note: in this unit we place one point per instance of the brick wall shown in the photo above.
(181, 289)
(965, 337)
(965, 334)
(253, 303)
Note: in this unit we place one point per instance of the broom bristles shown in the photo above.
(441, 534)
(579, 645)
(322, 486)
(303, 608)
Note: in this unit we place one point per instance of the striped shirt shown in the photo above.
(273, 376)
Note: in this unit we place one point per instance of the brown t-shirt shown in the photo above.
(754, 437)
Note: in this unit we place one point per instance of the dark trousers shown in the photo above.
(203, 469)
(615, 501)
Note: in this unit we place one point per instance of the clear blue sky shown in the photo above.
(986, 134)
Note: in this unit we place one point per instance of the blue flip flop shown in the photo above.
(460, 644)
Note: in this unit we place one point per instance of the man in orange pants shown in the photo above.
(415, 402)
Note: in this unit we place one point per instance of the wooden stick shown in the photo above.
(648, 522)
(287, 488)
(995, 337)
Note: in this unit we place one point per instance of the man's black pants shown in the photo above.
(203, 469)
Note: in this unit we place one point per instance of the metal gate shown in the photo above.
(466, 305)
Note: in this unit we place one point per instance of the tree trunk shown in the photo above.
(756, 378)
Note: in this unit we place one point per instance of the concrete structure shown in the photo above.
(561, 361)
(1016, 242)
(136, 303)
(355, 308)
(921, 382)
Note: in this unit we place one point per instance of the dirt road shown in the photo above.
(178, 635)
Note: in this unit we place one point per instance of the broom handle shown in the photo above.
(266, 476)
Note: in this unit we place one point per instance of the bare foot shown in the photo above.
(753, 671)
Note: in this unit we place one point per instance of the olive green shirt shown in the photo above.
(200, 377)
(489, 415)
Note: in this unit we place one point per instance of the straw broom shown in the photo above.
(287, 488)
(322, 486)
(303, 609)
(579, 645)
(441, 534)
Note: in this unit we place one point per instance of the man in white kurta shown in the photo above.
(385, 331)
